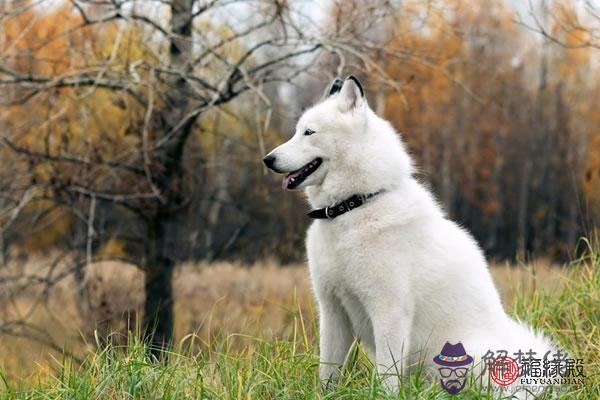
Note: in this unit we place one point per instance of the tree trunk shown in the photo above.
(158, 307)
(160, 258)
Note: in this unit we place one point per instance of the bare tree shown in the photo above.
(197, 57)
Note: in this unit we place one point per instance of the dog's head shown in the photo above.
(334, 149)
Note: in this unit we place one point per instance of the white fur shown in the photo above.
(395, 273)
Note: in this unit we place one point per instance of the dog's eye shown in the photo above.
(308, 132)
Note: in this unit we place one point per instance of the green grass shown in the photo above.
(287, 369)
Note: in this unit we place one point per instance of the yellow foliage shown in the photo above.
(113, 247)
(52, 225)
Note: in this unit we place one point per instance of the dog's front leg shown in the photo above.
(392, 335)
(335, 337)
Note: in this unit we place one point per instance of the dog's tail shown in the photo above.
(528, 339)
(524, 348)
(529, 348)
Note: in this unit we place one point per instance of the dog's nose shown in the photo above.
(269, 161)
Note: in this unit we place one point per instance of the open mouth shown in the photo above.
(295, 178)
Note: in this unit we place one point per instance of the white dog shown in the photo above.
(387, 266)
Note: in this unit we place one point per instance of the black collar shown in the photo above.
(342, 207)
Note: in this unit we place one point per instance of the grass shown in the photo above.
(269, 367)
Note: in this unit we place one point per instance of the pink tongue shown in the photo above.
(286, 180)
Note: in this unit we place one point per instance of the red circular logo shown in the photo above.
(504, 371)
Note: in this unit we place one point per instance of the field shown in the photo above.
(250, 332)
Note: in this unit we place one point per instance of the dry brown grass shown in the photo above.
(217, 299)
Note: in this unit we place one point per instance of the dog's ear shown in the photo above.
(351, 94)
(334, 88)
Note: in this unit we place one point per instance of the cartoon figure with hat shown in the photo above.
(453, 361)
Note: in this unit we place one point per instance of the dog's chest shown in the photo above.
(340, 275)
(333, 258)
